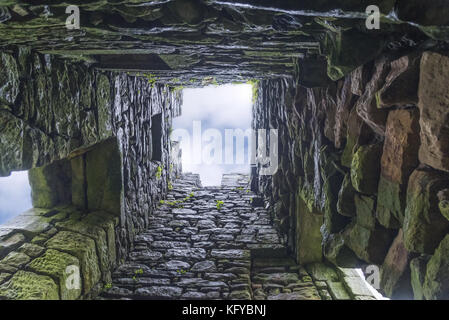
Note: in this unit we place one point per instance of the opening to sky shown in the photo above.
(15, 195)
(209, 116)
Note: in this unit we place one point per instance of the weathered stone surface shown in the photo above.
(366, 105)
(51, 185)
(358, 133)
(16, 259)
(436, 284)
(56, 264)
(424, 225)
(365, 168)
(399, 159)
(346, 204)
(10, 243)
(83, 248)
(29, 223)
(347, 50)
(338, 291)
(335, 251)
(204, 266)
(321, 272)
(369, 245)
(395, 271)
(418, 274)
(434, 107)
(365, 209)
(193, 265)
(159, 292)
(104, 178)
(401, 84)
(100, 227)
(356, 286)
(29, 286)
(308, 233)
(31, 249)
(9, 79)
(443, 197)
(11, 143)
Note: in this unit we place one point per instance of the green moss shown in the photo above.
(29, 286)
(255, 89)
(365, 168)
(159, 172)
(54, 263)
(219, 204)
(151, 78)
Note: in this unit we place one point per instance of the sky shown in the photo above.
(15, 195)
(217, 108)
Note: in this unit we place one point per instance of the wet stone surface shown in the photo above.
(196, 249)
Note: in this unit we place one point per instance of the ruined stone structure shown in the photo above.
(363, 141)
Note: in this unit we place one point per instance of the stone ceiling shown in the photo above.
(192, 42)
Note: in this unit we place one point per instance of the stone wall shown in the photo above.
(363, 177)
(99, 143)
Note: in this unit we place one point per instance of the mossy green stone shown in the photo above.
(345, 204)
(424, 225)
(365, 168)
(54, 263)
(365, 211)
(417, 275)
(444, 208)
(83, 248)
(436, 284)
(391, 203)
(29, 286)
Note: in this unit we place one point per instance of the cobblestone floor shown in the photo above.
(217, 243)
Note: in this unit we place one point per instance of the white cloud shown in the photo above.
(15, 195)
(220, 108)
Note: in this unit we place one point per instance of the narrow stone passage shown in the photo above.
(217, 243)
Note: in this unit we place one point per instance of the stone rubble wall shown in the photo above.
(363, 171)
(54, 114)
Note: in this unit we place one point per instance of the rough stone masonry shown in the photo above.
(363, 120)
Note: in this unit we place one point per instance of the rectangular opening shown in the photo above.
(156, 137)
(214, 131)
(15, 195)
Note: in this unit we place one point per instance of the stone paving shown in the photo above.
(216, 243)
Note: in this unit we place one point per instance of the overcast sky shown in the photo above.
(15, 195)
(217, 107)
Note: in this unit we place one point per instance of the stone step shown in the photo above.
(277, 252)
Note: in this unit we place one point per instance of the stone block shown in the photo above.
(104, 177)
(365, 209)
(434, 107)
(308, 234)
(399, 159)
(54, 264)
(8, 244)
(83, 248)
(100, 227)
(395, 271)
(401, 84)
(51, 184)
(365, 168)
(436, 283)
(418, 274)
(369, 245)
(424, 225)
(29, 286)
(346, 204)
